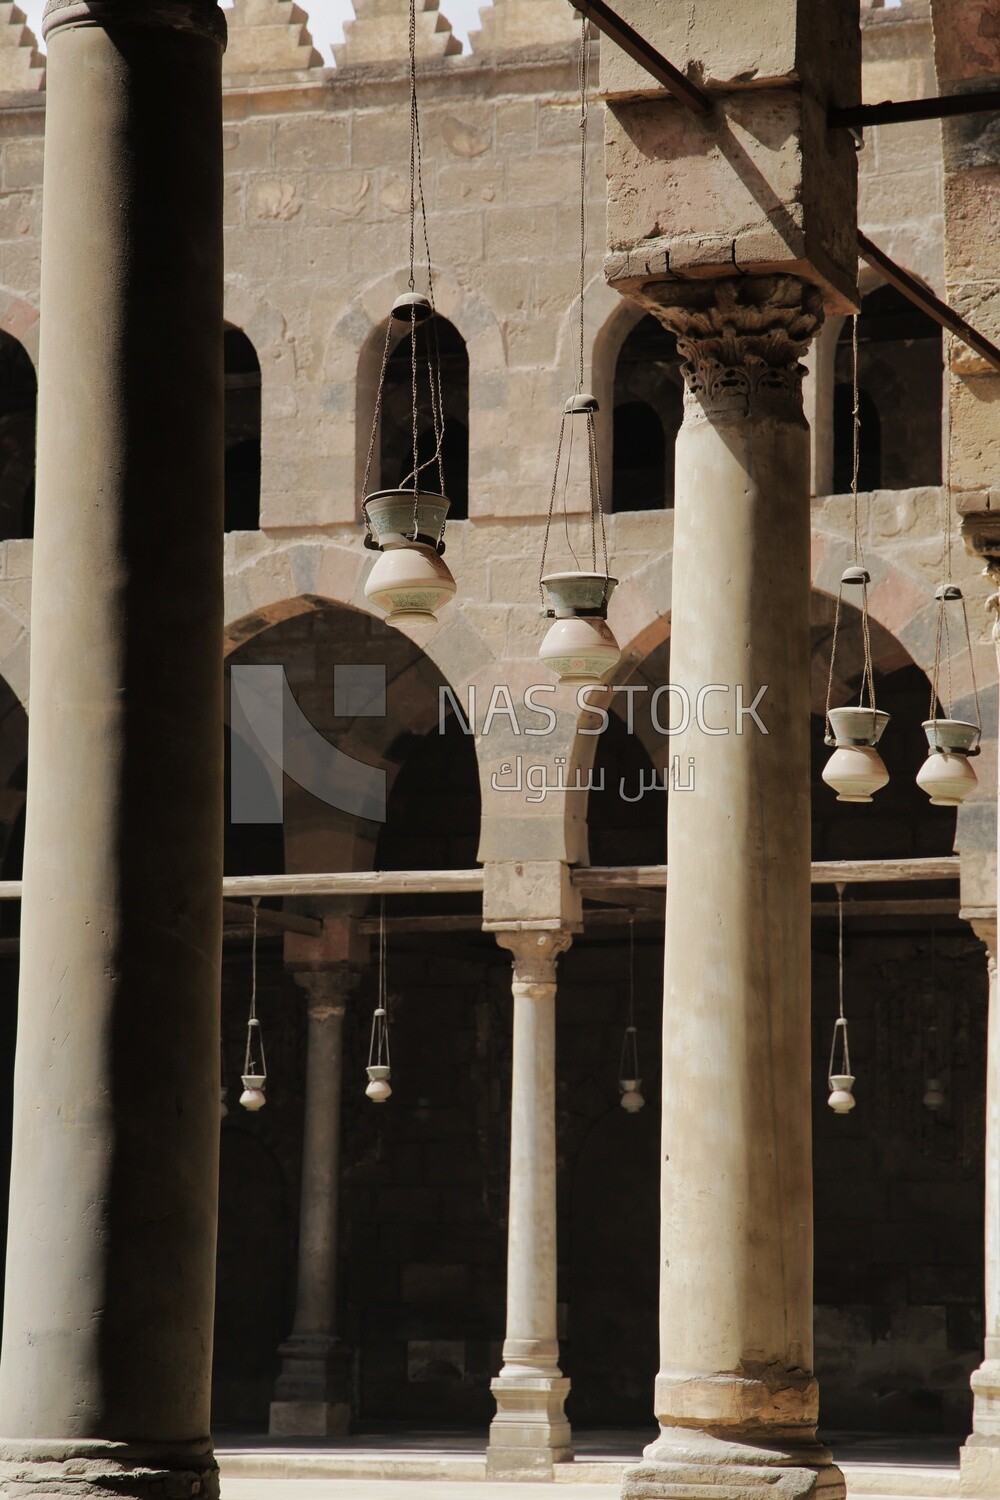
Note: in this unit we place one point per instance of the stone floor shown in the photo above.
(416, 1464)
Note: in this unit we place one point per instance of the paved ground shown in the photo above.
(450, 1465)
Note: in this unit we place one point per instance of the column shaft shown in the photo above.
(107, 1341)
(980, 1456)
(735, 1396)
(312, 1394)
(530, 1430)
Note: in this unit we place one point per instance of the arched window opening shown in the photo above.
(900, 393)
(396, 437)
(869, 441)
(242, 432)
(648, 407)
(18, 397)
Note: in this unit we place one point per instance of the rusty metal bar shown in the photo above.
(618, 30)
(921, 297)
(900, 112)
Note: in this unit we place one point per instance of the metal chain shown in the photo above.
(868, 674)
(833, 659)
(377, 417)
(551, 510)
(253, 1025)
(583, 71)
(840, 1025)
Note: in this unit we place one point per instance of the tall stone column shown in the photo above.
(735, 1396)
(312, 1394)
(530, 1432)
(980, 1456)
(107, 1339)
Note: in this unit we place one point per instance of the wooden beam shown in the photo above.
(940, 906)
(269, 920)
(824, 872)
(921, 297)
(610, 24)
(354, 883)
(900, 112)
(586, 877)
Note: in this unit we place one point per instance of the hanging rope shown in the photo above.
(857, 575)
(378, 1046)
(412, 313)
(254, 1036)
(949, 593)
(583, 76)
(840, 1025)
(583, 405)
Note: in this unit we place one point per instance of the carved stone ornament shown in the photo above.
(740, 337)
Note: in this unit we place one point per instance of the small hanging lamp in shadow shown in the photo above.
(629, 1082)
(254, 1076)
(839, 1075)
(379, 1089)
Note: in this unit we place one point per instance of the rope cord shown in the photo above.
(378, 1047)
(433, 349)
(629, 1065)
(253, 1024)
(583, 77)
(840, 1025)
(596, 513)
(868, 673)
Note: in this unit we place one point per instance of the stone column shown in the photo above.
(107, 1339)
(735, 1396)
(980, 1456)
(312, 1394)
(530, 1432)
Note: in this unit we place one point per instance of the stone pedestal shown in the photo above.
(312, 1397)
(530, 1432)
(735, 1396)
(107, 1340)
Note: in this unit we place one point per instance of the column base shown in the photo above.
(37, 1470)
(312, 1393)
(980, 1455)
(692, 1463)
(309, 1419)
(530, 1432)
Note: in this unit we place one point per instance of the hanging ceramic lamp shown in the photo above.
(410, 579)
(839, 1076)
(855, 770)
(629, 1082)
(933, 1095)
(579, 646)
(379, 1089)
(254, 1075)
(946, 775)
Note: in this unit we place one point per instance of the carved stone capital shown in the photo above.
(741, 338)
(328, 990)
(535, 954)
(200, 17)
